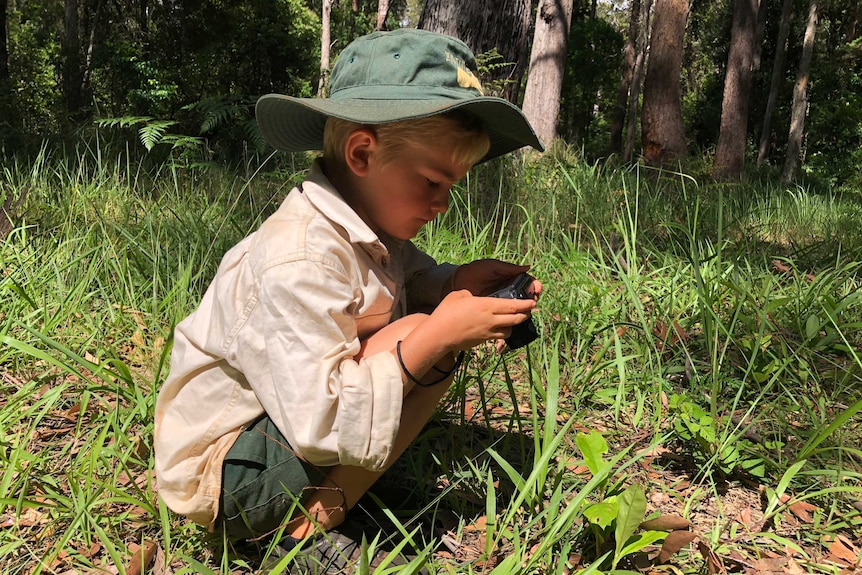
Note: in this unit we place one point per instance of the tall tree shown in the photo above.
(619, 116)
(4, 50)
(775, 81)
(486, 25)
(73, 72)
(662, 128)
(800, 97)
(547, 64)
(853, 25)
(325, 45)
(730, 151)
(382, 13)
(5, 83)
(637, 81)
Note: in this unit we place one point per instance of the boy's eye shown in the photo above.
(432, 183)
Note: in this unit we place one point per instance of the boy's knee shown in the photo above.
(408, 323)
(388, 336)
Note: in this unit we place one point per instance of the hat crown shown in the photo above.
(405, 64)
(395, 76)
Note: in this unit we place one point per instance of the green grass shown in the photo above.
(700, 357)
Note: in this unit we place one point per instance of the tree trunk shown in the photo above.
(732, 137)
(325, 43)
(92, 23)
(522, 21)
(547, 65)
(662, 128)
(854, 24)
(760, 32)
(775, 82)
(800, 97)
(484, 25)
(619, 118)
(144, 20)
(637, 82)
(4, 50)
(72, 70)
(382, 13)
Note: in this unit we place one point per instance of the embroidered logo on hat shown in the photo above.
(466, 77)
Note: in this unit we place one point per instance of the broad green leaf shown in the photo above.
(774, 497)
(632, 504)
(644, 539)
(593, 446)
(603, 513)
(812, 327)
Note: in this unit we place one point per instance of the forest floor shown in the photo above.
(717, 524)
(724, 530)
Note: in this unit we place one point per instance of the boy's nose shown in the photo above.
(440, 204)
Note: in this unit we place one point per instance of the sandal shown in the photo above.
(337, 553)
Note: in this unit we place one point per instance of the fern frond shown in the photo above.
(218, 111)
(152, 133)
(123, 122)
(252, 131)
(182, 142)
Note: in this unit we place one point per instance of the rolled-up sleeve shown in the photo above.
(427, 282)
(331, 407)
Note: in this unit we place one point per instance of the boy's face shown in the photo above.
(406, 193)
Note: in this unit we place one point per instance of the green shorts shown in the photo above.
(262, 480)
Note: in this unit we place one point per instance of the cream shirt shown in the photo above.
(277, 332)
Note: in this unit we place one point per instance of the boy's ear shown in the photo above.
(360, 145)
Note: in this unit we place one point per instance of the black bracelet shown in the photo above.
(458, 361)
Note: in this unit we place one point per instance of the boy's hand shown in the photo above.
(482, 277)
(462, 321)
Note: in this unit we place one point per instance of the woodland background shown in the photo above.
(766, 87)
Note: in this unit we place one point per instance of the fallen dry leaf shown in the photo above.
(744, 516)
(802, 510)
(776, 566)
(842, 551)
(666, 523)
(780, 266)
(478, 525)
(714, 563)
(656, 451)
(47, 433)
(143, 558)
(30, 517)
(92, 551)
(675, 541)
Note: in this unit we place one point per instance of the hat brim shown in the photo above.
(296, 124)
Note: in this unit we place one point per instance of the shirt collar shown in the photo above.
(323, 195)
(328, 201)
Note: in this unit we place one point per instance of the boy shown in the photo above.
(306, 371)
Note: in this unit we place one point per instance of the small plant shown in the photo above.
(615, 520)
(490, 64)
(710, 439)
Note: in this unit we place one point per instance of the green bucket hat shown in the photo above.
(392, 76)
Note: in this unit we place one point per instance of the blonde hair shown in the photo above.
(462, 132)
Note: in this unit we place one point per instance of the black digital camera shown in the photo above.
(519, 288)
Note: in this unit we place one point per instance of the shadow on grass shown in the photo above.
(436, 489)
